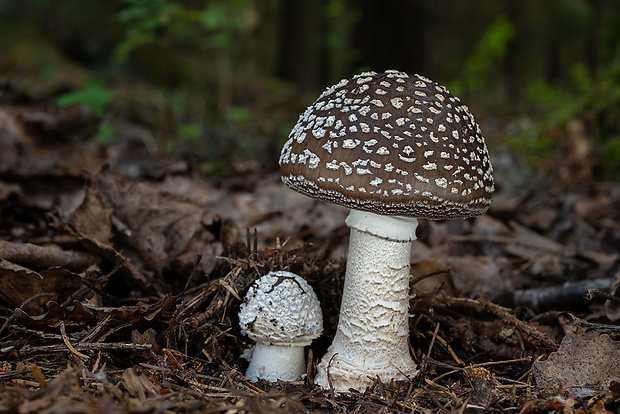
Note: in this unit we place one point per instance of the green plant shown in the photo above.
(204, 39)
(609, 159)
(105, 132)
(591, 95)
(96, 98)
(156, 21)
(342, 16)
(144, 19)
(485, 61)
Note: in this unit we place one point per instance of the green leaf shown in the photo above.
(95, 97)
(105, 133)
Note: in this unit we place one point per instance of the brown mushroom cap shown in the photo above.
(391, 144)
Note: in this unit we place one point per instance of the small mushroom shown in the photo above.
(394, 148)
(282, 314)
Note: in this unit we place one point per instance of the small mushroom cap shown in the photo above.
(281, 308)
(392, 144)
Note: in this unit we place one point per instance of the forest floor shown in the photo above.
(121, 276)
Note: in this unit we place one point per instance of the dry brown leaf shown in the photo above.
(147, 337)
(480, 276)
(7, 190)
(18, 284)
(79, 313)
(581, 364)
(138, 385)
(612, 307)
(91, 219)
(128, 270)
(33, 138)
(164, 229)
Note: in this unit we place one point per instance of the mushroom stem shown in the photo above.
(276, 362)
(372, 338)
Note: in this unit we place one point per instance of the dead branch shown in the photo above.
(65, 340)
(10, 319)
(597, 293)
(602, 327)
(511, 320)
(514, 241)
(89, 346)
(556, 296)
(38, 257)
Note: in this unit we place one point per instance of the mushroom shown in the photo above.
(393, 148)
(282, 314)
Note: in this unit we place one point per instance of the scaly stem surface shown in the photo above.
(372, 339)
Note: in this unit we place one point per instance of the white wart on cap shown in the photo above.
(281, 308)
(391, 144)
(282, 314)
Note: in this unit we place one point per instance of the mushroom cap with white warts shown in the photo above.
(392, 144)
(281, 308)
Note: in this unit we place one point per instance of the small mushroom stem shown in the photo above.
(372, 338)
(276, 362)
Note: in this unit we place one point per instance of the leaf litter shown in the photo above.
(119, 291)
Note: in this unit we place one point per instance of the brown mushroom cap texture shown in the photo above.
(392, 144)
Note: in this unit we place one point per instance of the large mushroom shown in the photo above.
(394, 148)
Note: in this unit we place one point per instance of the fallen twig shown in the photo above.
(10, 319)
(511, 320)
(27, 254)
(596, 326)
(596, 293)
(560, 295)
(28, 350)
(516, 242)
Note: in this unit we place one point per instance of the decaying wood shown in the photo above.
(553, 297)
(39, 257)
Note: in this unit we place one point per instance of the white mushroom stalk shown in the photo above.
(277, 362)
(282, 314)
(372, 339)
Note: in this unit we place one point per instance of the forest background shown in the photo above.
(222, 82)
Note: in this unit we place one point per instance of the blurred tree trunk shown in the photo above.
(301, 41)
(261, 50)
(515, 77)
(342, 16)
(394, 34)
(593, 38)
